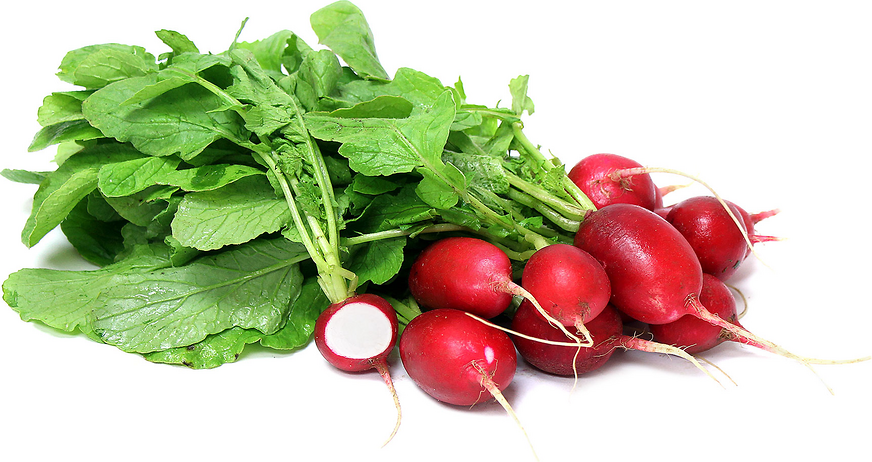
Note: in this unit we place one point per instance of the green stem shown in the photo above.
(546, 211)
(394, 233)
(297, 218)
(568, 210)
(531, 149)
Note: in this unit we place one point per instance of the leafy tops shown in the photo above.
(228, 198)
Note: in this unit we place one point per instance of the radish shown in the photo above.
(695, 335)
(568, 283)
(463, 273)
(357, 334)
(655, 275)
(467, 274)
(457, 359)
(598, 176)
(715, 238)
(606, 332)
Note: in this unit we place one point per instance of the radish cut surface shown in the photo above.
(358, 331)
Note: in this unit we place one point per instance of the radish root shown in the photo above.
(382, 369)
(742, 335)
(488, 383)
(635, 343)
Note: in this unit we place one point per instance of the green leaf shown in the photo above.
(379, 261)
(61, 107)
(97, 241)
(62, 189)
(388, 211)
(183, 120)
(230, 215)
(382, 107)
(481, 170)
(96, 66)
(342, 27)
(520, 101)
(322, 71)
(213, 351)
(73, 130)
(133, 176)
(373, 185)
(23, 176)
(177, 41)
(184, 69)
(65, 299)
(414, 86)
(303, 313)
(143, 207)
(250, 287)
(226, 346)
(270, 52)
(378, 146)
(436, 191)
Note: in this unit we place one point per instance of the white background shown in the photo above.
(770, 102)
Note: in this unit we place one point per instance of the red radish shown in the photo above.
(606, 331)
(655, 276)
(717, 240)
(467, 274)
(568, 283)
(357, 334)
(556, 359)
(695, 335)
(457, 359)
(599, 177)
(463, 273)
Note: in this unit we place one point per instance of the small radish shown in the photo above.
(717, 240)
(357, 334)
(457, 359)
(599, 177)
(655, 275)
(606, 331)
(695, 335)
(568, 283)
(467, 274)
(463, 273)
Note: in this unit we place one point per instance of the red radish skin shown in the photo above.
(598, 176)
(568, 283)
(655, 275)
(652, 268)
(462, 273)
(456, 359)
(556, 359)
(695, 335)
(460, 360)
(356, 335)
(468, 274)
(606, 331)
(715, 238)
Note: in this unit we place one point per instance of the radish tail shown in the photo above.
(742, 335)
(488, 383)
(635, 343)
(382, 368)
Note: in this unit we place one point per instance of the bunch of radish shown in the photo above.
(633, 260)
